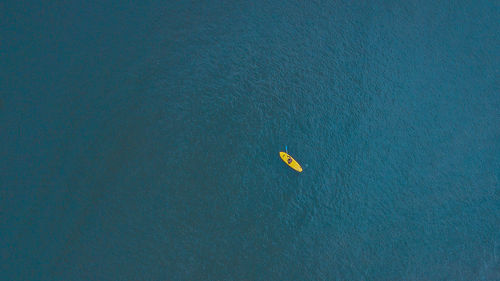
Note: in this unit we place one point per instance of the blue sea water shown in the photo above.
(140, 139)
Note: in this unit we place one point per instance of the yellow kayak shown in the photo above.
(290, 161)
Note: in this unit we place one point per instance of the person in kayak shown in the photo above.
(289, 160)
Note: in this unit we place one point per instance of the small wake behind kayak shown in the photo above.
(290, 161)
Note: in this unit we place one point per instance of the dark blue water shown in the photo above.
(139, 141)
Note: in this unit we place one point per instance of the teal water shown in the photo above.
(140, 141)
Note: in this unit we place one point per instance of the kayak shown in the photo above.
(290, 161)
